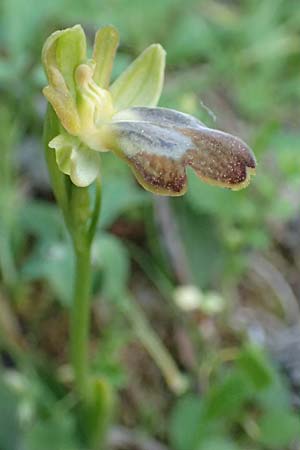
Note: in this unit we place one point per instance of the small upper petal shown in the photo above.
(105, 47)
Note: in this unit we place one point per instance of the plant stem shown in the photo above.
(96, 212)
(177, 382)
(80, 320)
(81, 222)
(7, 264)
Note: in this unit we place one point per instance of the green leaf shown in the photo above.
(227, 398)
(203, 246)
(10, 433)
(141, 83)
(42, 220)
(255, 365)
(184, 423)
(57, 432)
(218, 443)
(189, 428)
(279, 429)
(276, 396)
(52, 262)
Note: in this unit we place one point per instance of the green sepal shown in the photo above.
(64, 50)
(141, 83)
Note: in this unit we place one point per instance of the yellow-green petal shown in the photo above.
(85, 166)
(63, 145)
(105, 47)
(141, 83)
(75, 159)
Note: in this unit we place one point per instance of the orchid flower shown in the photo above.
(157, 143)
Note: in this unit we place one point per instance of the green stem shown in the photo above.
(81, 222)
(80, 321)
(96, 212)
(7, 263)
(176, 381)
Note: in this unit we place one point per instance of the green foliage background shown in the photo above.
(236, 66)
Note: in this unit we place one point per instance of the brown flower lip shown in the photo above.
(220, 158)
(160, 147)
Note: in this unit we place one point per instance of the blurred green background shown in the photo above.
(216, 273)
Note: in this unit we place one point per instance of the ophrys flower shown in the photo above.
(158, 143)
